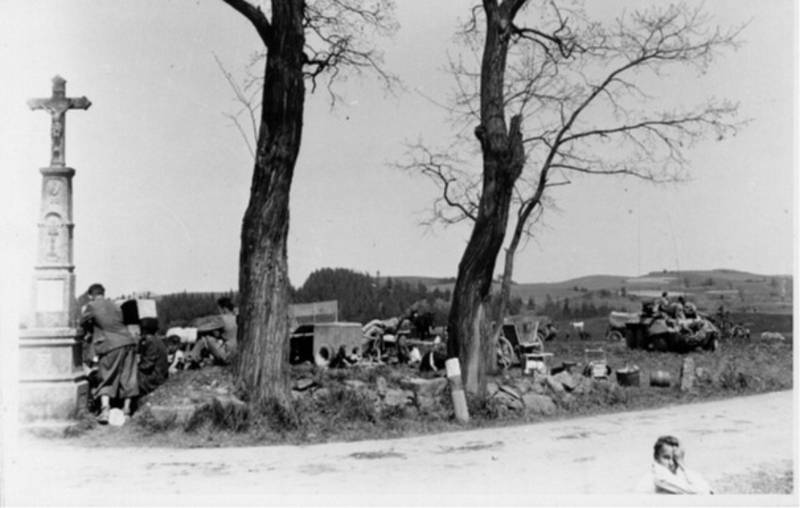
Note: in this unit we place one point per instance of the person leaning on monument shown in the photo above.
(668, 473)
(115, 348)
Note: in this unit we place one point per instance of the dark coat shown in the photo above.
(153, 363)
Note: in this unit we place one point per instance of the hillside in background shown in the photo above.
(362, 297)
(737, 290)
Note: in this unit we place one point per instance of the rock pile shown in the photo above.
(544, 395)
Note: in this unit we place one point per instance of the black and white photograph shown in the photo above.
(398, 252)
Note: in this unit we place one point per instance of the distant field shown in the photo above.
(738, 291)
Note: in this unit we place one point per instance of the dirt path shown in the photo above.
(527, 464)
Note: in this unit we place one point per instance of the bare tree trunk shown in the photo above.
(505, 296)
(503, 159)
(511, 252)
(263, 357)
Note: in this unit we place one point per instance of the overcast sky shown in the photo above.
(163, 176)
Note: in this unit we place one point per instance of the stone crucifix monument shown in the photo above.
(52, 383)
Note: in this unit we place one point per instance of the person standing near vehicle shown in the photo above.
(115, 348)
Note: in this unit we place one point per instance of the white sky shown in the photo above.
(163, 177)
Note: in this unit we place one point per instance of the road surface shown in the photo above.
(530, 464)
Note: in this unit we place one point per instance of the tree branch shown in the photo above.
(256, 16)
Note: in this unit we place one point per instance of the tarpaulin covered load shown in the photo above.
(187, 335)
(620, 319)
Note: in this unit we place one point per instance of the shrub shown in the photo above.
(610, 393)
(230, 416)
(343, 405)
(731, 378)
(488, 408)
(152, 425)
(280, 417)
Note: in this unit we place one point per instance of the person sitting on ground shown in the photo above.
(153, 363)
(668, 475)
(176, 355)
(115, 348)
(211, 343)
(662, 304)
(231, 329)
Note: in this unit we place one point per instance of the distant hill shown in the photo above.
(707, 288)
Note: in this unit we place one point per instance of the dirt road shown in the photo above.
(529, 464)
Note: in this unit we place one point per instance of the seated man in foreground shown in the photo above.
(211, 343)
(668, 474)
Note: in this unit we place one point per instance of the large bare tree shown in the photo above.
(580, 87)
(304, 41)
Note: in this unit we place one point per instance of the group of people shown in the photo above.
(678, 313)
(126, 365)
(676, 309)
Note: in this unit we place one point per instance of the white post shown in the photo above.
(453, 369)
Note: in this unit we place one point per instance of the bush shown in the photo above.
(611, 393)
(731, 378)
(342, 405)
(488, 408)
(279, 417)
(231, 416)
(149, 424)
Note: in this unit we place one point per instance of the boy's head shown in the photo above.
(173, 343)
(666, 452)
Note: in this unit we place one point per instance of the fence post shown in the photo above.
(453, 369)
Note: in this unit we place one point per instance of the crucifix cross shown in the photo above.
(57, 106)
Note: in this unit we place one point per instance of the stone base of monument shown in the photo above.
(52, 384)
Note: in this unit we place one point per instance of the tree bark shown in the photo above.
(261, 367)
(469, 336)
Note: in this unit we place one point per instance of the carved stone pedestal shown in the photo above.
(52, 384)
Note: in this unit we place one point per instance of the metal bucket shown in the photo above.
(629, 376)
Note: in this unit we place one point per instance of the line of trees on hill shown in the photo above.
(363, 297)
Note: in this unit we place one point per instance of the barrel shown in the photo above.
(660, 378)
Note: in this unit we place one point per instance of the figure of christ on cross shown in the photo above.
(57, 106)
